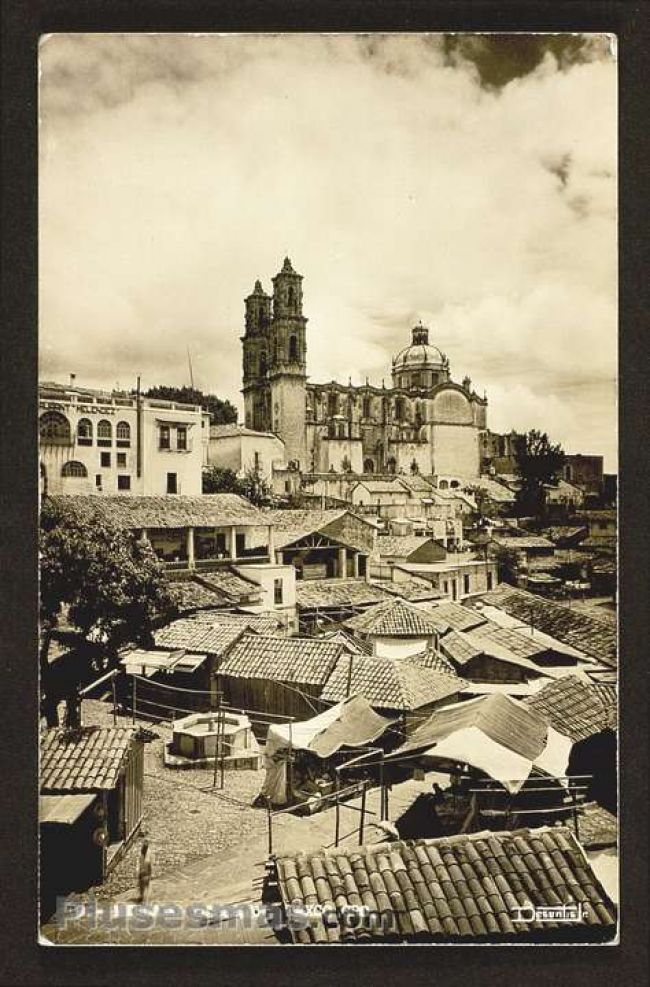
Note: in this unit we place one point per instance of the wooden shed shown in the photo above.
(278, 675)
(107, 765)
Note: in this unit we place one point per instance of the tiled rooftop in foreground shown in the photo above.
(460, 888)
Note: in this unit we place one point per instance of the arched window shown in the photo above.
(293, 349)
(391, 465)
(399, 409)
(366, 408)
(123, 434)
(416, 380)
(454, 484)
(104, 432)
(291, 297)
(263, 365)
(73, 468)
(54, 429)
(85, 432)
(332, 404)
(443, 485)
(368, 466)
(341, 430)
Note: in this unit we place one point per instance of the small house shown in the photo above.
(91, 784)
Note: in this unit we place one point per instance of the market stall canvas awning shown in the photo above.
(494, 734)
(351, 723)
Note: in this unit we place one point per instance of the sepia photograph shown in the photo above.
(328, 464)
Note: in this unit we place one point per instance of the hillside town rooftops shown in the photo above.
(163, 512)
(464, 887)
(455, 616)
(394, 618)
(88, 759)
(390, 683)
(199, 637)
(309, 661)
(577, 708)
(589, 635)
(411, 589)
(290, 526)
(522, 543)
(400, 546)
(324, 593)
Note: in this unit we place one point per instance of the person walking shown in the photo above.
(145, 867)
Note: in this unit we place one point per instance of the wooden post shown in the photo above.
(222, 747)
(290, 767)
(575, 813)
(381, 789)
(269, 817)
(216, 743)
(134, 696)
(364, 788)
(337, 829)
(114, 701)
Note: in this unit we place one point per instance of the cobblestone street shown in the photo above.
(184, 818)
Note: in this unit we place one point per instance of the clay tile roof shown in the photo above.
(394, 618)
(88, 759)
(412, 589)
(588, 634)
(455, 616)
(576, 708)
(312, 593)
(282, 659)
(290, 526)
(399, 546)
(391, 683)
(199, 636)
(168, 511)
(455, 888)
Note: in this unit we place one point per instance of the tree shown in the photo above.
(256, 488)
(113, 584)
(220, 479)
(222, 412)
(538, 462)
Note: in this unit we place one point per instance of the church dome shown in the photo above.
(420, 355)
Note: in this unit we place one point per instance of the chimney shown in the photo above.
(73, 377)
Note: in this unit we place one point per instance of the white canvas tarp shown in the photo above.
(495, 735)
(351, 723)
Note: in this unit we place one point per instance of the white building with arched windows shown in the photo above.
(114, 442)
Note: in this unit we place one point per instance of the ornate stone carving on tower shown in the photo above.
(275, 361)
(288, 366)
(256, 357)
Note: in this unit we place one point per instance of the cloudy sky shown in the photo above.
(469, 181)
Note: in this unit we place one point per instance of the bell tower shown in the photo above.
(256, 345)
(287, 370)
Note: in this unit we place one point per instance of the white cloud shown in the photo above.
(176, 170)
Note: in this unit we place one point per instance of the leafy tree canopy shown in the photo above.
(538, 462)
(112, 583)
(220, 479)
(222, 412)
(253, 484)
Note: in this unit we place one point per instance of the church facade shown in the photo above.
(424, 422)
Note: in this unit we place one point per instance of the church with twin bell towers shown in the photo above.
(424, 422)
